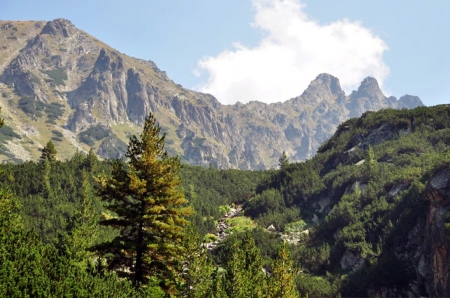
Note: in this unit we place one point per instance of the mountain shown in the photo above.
(58, 82)
(370, 213)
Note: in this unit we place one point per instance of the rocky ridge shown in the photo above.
(54, 76)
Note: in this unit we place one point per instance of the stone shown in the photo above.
(271, 228)
(98, 84)
(351, 261)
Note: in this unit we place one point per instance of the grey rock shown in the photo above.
(105, 86)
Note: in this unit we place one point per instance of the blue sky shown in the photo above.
(269, 50)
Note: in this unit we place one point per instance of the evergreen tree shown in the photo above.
(283, 161)
(91, 161)
(149, 209)
(49, 152)
(282, 279)
(243, 264)
(84, 225)
(198, 269)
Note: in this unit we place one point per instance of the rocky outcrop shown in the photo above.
(432, 256)
(222, 226)
(351, 261)
(97, 84)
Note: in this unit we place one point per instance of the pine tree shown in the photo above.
(282, 279)
(243, 264)
(84, 225)
(283, 161)
(49, 152)
(198, 268)
(149, 209)
(91, 161)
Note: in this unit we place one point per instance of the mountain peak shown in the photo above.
(370, 89)
(59, 26)
(323, 87)
(410, 101)
(330, 81)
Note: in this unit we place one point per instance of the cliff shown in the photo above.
(58, 82)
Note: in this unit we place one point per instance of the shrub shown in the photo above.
(58, 75)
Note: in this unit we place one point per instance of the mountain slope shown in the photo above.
(58, 82)
(372, 208)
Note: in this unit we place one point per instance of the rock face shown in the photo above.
(432, 255)
(43, 65)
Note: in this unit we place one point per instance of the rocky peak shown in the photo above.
(66, 69)
(59, 27)
(330, 82)
(323, 87)
(410, 101)
(108, 60)
(370, 89)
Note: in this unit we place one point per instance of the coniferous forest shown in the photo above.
(350, 222)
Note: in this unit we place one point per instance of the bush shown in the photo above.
(95, 133)
(7, 132)
(57, 133)
(210, 238)
(31, 106)
(58, 75)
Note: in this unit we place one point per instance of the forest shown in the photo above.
(139, 227)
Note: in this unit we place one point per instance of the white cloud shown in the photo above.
(294, 51)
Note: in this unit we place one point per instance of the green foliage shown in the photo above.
(29, 267)
(58, 75)
(296, 226)
(31, 106)
(7, 133)
(224, 209)
(209, 238)
(240, 224)
(369, 210)
(209, 189)
(283, 162)
(94, 133)
(149, 209)
(243, 267)
(35, 108)
(50, 193)
(316, 286)
(113, 147)
(54, 110)
(198, 272)
(282, 279)
(48, 152)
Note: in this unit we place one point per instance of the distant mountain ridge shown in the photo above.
(58, 82)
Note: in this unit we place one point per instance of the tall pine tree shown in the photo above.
(244, 275)
(282, 279)
(149, 208)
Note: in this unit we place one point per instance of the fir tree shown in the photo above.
(91, 161)
(283, 161)
(282, 279)
(198, 269)
(149, 208)
(243, 264)
(49, 152)
(83, 226)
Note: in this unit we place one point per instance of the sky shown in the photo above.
(270, 50)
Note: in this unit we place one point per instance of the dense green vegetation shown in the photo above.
(360, 196)
(93, 134)
(58, 75)
(35, 108)
(376, 195)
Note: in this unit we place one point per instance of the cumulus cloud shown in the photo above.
(294, 50)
